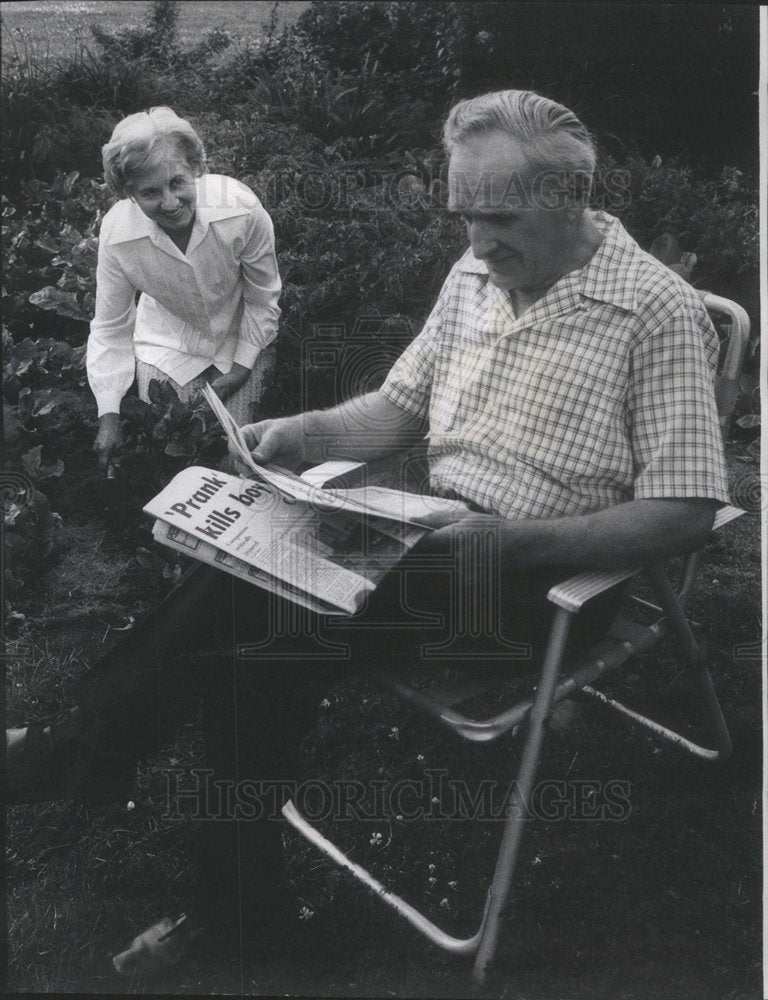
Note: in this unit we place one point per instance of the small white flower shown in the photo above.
(325, 703)
(432, 867)
(394, 733)
(305, 913)
(435, 800)
(399, 818)
(376, 839)
(420, 758)
(432, 880)
(445, 904)
(537, 860)
(452, 885)
(130, 806)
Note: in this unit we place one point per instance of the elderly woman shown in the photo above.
(200, 249)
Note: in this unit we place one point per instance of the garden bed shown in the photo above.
(335, 123)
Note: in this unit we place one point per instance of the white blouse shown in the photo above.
(215, 304)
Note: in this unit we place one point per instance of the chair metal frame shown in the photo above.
(626, 638)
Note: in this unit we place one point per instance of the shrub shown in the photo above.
(157, 44)
(50, 248)
(164, 436)
(58, 113)
(44, 363)
(416, 40)
(30, 538)
(713, 215)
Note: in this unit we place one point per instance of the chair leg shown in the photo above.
(695, 659)
(695, 656)
(519, 803)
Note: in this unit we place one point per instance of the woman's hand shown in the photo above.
(109, 438)
(226, 385)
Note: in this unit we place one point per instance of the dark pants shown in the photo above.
(260, 666)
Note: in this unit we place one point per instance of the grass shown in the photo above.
(57, 27)
(662, 905)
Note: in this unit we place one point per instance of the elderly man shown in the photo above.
(564, 376)
(564, 381)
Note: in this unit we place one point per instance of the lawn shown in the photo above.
(664, 903)
(55, 28)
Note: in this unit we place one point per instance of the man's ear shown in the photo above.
(562, 190)
(579, 189)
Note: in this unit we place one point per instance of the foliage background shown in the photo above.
(332, 112)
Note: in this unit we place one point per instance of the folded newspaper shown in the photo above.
(325, 549)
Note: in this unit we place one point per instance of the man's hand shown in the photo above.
(109, 438)
(364, 428)
(280, 441)
(227, 385)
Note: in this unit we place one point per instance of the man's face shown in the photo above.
(525, 244)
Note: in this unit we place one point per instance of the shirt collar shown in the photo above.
(218, 198)
(610, 275)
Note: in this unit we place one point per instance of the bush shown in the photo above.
(50, 249)
(58, 113)
(30, 538)
(406, 39)
(162, 437)
(714, 215)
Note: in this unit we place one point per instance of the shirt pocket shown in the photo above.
(459, 387)
(566, 417)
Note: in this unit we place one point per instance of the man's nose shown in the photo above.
(483, 238)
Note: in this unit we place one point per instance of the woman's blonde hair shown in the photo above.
(136, 139)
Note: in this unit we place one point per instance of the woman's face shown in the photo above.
(165, 191)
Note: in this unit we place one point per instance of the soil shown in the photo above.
(662, 904)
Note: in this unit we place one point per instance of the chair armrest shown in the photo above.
(726, 514)
(572, 593)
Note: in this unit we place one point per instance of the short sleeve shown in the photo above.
(672, 417)
(409, 382)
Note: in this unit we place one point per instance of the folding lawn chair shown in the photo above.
(558, 680)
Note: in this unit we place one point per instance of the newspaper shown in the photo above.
(323, 549)
(374, 500)
(326, 559)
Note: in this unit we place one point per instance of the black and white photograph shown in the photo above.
(382, 499)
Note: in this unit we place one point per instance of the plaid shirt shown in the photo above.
(601, 392)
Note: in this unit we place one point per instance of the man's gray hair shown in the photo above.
(136, 139)
(552, 136)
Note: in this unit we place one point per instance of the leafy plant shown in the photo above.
(50, 246)
(40, 363)
(38, 469)
(156, 44)
(30, 538)
(165, 435)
